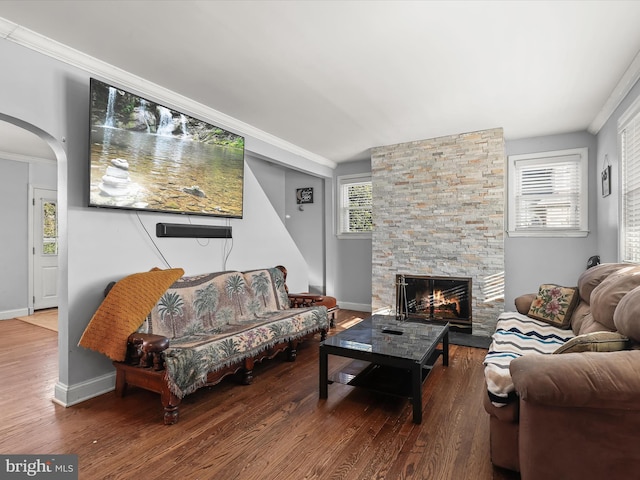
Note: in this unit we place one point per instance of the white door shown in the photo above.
(45, 248)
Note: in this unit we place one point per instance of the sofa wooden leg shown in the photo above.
(247, 376)
(121, 382)
(170, 403)
(170, 415)
(323, 334)
(292, 352)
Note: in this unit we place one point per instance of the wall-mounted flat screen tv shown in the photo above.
(145, 156)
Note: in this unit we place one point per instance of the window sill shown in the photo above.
(354, 236)
(560, 233)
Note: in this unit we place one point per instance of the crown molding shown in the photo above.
(622, 89)
(34, 41)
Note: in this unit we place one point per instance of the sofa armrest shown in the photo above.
(145, 350)
(579, 414)
(606, 380)
(299, 300)
(523, 302)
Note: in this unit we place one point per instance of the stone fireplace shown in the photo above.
(438, 210)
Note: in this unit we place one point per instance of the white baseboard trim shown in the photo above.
(358, 307)
(7, 314)
(67, 396)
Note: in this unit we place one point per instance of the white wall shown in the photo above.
(51, 99)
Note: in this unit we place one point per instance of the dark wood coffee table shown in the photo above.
(393, 357)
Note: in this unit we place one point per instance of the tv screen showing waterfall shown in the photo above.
(145, 156)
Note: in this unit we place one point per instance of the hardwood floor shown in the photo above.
(276, 428)
(47, 318)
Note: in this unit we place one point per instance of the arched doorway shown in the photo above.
(29, 165)
(23, 145)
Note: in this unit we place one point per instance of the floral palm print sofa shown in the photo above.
(206, 327)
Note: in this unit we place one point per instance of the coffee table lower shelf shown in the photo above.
(380, 378)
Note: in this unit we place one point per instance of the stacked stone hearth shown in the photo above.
(438, 209)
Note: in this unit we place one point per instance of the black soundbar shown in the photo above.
(192, 231)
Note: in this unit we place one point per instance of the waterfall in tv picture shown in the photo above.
(145, 156)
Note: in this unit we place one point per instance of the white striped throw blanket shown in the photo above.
(517, 335)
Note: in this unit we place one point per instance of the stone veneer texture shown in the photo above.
(438, 209)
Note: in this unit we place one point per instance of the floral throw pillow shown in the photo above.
(554, 305)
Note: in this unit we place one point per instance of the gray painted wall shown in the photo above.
(272, 180)
(51, 99)
(17, 177)
(530, 262)
(307, 226)
(14, 194)
(336, 266)
(352, 256)
(608, 207)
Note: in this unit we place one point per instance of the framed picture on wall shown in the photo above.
(304, 195)
(606, 181)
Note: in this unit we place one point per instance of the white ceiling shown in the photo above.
(336, 78)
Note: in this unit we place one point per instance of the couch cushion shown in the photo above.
(595, 342)
(605, 297)
(592, 277)
(189, 359)
(627, 315)
(580, 313)
(201, 304)
(517, 335)
(589, 325)
(554, 305)
(267, 287)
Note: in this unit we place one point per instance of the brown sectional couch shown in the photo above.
(575, 414)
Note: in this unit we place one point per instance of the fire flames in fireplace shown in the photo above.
(445, 306)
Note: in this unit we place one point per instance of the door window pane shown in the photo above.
(49, 228)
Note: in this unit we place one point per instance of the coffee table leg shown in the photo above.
(445, 349)
(324, 373)
(416, 392)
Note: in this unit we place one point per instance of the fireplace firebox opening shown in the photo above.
(440, 299)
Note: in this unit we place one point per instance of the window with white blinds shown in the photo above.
(548, 193)
(355, 206)
(629, 135)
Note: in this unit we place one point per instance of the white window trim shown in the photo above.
(628, 115)
(584, 195)
(352, 178)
